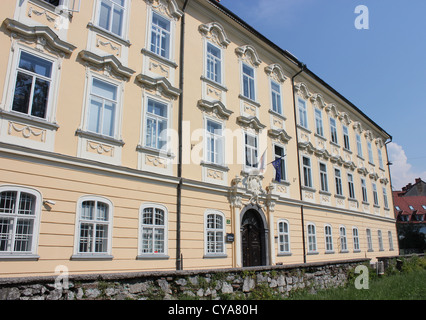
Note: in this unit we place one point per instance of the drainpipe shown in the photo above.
(302, 68)
(179, 257)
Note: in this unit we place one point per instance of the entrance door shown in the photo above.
(252, 239)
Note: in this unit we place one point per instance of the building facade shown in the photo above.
(139, 135)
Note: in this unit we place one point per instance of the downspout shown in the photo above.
(179, 258)
(302, 68)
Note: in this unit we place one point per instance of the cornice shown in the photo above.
(216, 107)
(161, 85)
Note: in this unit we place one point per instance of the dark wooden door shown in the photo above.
(251, 240)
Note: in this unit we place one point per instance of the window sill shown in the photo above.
(310, 189)
(215, 256)
(214, 83)
(299, 126)
(166, 61)
(326, 193)
(152, 256)
(344, 251)
(277, 114)
(155, 152)
(334, 144)
(31, 120)
(99, 137)
(339, 196)
(329, 252)
(79, 256)
(320, 136)
(284, 254)
(249, 100)
(214, 166)
(312, 253)
(19, 257)
(108, 34)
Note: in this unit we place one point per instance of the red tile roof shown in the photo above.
(417, 202)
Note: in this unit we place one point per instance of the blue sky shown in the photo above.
(382, 70)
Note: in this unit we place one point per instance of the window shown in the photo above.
(343, 242)
(153, 231)
(328, 239)
(102, 109)
(380, 158)
(338, 180)
(52, 2)
(351, 186)
(375, 196)
(94, 226)
(370, 152)
(423, 206)
(33, 85)
(111, 16)
(307, 173)
(160, 35)
(214, 233)
(251, 150)
(390, 240)
(385, 198)
(355, 234)
(303, 113)
(411, 208)
(364, 190)
(379, 236)
(276, 97)
(214, 63)
(333, 130)
(156, 124)
(283, 237)
(359, 145)
(346, 144)
(248, 82)
(312, 239)
(319, 130)
(19, 219)
(398, 208)
(323, 177)
(369, 240)
(214, 140)
(280, 154)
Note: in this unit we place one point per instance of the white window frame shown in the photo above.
(333, 131)
(302, 113)
(346, 141)
(364, 190)
(215, 231)
(312, 238)
(338, 181)
(213, 59)
(319, 125)
(359, 145)
(250, 80)
(125, 21)
(284, 247)
(94, 222)
(276, 97)
(380, 238)
(351, 186)
(170, 55)
(343, 239)
(369, 240)
(370, 152)
(328, 238)
(375, 195)
(385, 198)
(154, 227)
(355, 236)
(283, 160)
(252, 149)
(14, 217)
(379, 152)
(390, 239)
(147, 115)
(219, 141)
(323, 177)
(307, 173)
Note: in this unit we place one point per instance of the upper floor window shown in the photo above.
(319, 130)
(333, 130)
(214, 233)
(283, 237)
(111, 16)
(160, 35)
(280, 154)
(390, 240)
(214, 63)
(249, 90)
(375, 196)
(303, 113)
(276, 97)
(385, 198)
(359, 145)
(156, 124)
(153, 231)
(364, 190)
(323, 177)
(351, 186)
(338, 180)
(52, 2)
(370, 152)
(380, 158)
(251, 150)
(94, 226)
(307, 172)
(346, 144)
(19, 218)
(33, 85)
(214, 143)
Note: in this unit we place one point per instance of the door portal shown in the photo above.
(253, 239)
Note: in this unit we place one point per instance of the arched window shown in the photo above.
(328, 232)
(153, 231)
(343, 240)
(312, 238)
(19, 221)
(94, 226)
(283, 237)
(214, 230)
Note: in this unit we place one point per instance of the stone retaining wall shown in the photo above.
(221, 284)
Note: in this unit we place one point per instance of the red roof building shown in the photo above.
(410, 203)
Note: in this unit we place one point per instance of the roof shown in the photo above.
(404, 203)
(293, 59)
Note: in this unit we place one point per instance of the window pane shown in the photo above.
(87, 210)
(105, 15)
(23, 235)
(22, 96)
(26, 204)
(5, 234)
(108, 119)
(104, 90)
(41, 95)
(86, 237)
(95, 114)
(35, 64)
(157, 108)
(101, 241)
(147, 216)
(7, 201)
(117, 21)
(159, 217)
(102, 212)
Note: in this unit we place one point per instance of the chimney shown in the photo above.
(418, 180)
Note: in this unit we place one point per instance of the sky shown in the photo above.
(378, 63)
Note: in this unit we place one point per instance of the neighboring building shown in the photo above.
(125, 147)
(410, 211)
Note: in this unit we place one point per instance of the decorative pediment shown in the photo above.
(275, 71)
(343, 116)
(379, 142)
(215, 107)
(44, 37)
(279, 134)
(374, 175)
(369, 135)
(318, 100)
(357, 127)
(302, 90)
(331, 108)
(109, 64)
(309, 147)
(350, 165)
(363, 171)
(167, 7)
(249, 54)
(215, 33)
(161, 85)
(251, 122)
(384, 180)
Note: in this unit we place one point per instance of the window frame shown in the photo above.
(385, 198)
(251, 82)
(302, 113)
(276, 97)
(312, 238)
(142, 226)
(380, 239)
(359, 145)
(35, 217)
(390, 239)
(369, 240)
(283, 160)
(283, 237)
(307, 172)
(364, 191)
(370, 153)
(79, 220)
(220, 158)
(124, 22)
(375, 194)
(147, 115)
(170, 54)
(215, 254)
(351, 186)
(248, 147)
(221, 61)
(355, 237)
(323, 177)
(319, 124)
(338, 182)
(380, 155)
(343, 239)
(346, 138)
(328, 238)
(333, 131)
